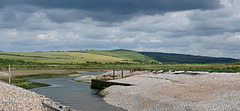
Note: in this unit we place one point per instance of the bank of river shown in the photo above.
(75, 94)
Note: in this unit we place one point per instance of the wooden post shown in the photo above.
(122, 74)
(9, 74)
(113, 74)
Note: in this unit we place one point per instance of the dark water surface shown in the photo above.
(75, 94)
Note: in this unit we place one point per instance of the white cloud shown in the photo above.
(156, 41)
(38, 17)
(127, 40)
(230, 3)
(10, 33)
(234, 39)
(52, 36)
(42, 36)
(71, 35)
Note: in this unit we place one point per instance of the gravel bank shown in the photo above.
(207, 91)
(14, 98)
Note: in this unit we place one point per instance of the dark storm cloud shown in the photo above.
(199, 27)
(114, 10)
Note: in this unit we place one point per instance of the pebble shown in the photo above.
(13, 98)
(179, 92)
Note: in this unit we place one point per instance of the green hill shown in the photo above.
(184, 58)
(59, 57)
(122, 53)
(118, 56)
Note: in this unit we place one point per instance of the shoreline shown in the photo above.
(75, 94)
(169, 91)
(16, 98)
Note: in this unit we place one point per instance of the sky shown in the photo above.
(197, 27)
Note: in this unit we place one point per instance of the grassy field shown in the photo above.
(127, 54)
(60, 57)
(96, 59)
(232, 68)
(38, 72)
(74, 59)
(23, 80)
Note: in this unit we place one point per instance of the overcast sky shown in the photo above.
(198, 27)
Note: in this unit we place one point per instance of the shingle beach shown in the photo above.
(181, 92)
(13, 98)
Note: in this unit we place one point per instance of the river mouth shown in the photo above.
(77, 95)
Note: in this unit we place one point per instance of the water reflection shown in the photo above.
(75, 94)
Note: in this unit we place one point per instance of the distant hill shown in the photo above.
(123, 53)
(59, 57)
(104, 56)
(184, 58)
(75, 57)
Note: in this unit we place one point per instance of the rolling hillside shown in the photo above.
(183, 58)
(59, 57)
(122, 53)
(105, 56)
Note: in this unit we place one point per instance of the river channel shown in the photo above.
(78, 95)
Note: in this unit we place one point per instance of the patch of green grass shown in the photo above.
(23, 81)
(230, 68)
(127, 54)
(42, 76)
